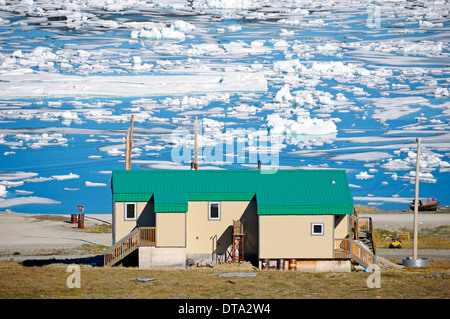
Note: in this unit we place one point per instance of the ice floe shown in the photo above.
(364, 175)
(10, 176)
(17, 201)
(65, 177)
(3, 191)
(92, 184)
(226, 4)
(158, 34)
(428, 160)
(43, 84)
(300, 126)
(11, 183)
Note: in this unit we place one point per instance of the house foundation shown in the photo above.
(158, 257)
(324, 265)
(307, 265)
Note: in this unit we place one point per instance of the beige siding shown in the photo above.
(341, 226)
(289, 236)
(121, 227)
(201, 231)
(273, 237)
(170, 229)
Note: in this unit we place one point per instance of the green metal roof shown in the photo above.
(284, 192)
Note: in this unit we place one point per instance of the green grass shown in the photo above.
(435, 238)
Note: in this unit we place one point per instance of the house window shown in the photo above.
(214, 211)
(130, 211)
(317, 229)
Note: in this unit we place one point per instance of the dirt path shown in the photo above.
(399, 254)
(397, 221)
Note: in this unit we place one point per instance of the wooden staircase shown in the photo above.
(139, 237)
(359, 246)
(365, 237)
(364, 232)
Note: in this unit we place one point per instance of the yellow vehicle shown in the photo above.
(395, 243)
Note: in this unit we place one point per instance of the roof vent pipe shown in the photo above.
(195, 145)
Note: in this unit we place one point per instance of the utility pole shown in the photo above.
(415, 261)
(127, 150)
(416, 202)
(129, 145)
(131, 135)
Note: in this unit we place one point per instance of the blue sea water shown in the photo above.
(389, 84)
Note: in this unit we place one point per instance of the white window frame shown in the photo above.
(313, 233)
(209, 211)
(126, 211)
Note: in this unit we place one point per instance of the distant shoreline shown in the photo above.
(47, 213)
(361, 209)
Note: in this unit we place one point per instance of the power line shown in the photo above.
(54, 166)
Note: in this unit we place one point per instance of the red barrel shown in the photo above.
(73, 218)
(81, 221)
(292, 264)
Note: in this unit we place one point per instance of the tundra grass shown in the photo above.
(50, 281)
(435, 238)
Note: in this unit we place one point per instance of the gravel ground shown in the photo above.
(396, 221)
(399, 254)
(37, 234)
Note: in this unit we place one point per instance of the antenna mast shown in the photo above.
(195, 145)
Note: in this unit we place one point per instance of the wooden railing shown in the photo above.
(364, 224)
(147, 236)
(143, 236)
(347, 248)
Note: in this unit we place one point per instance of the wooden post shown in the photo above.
(131, 135)
(416, 202)
(129, 145)
(195, 145)
(127, 151)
